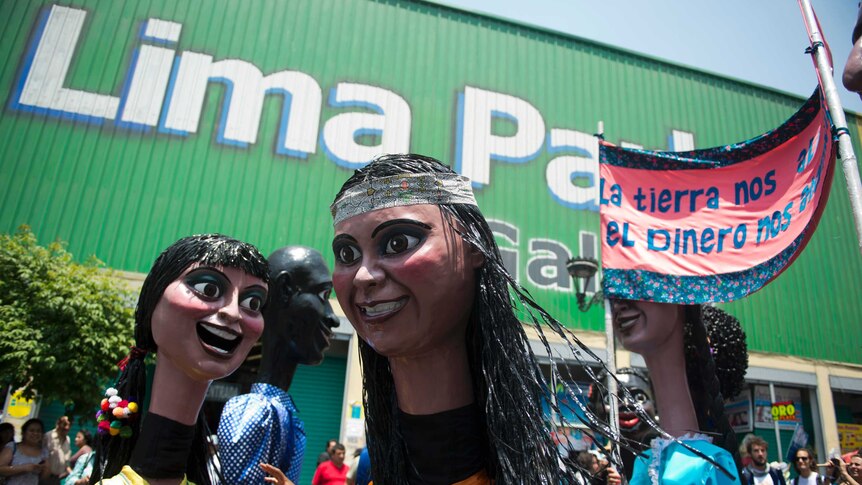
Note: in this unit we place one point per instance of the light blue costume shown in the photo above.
(83, 468)
(669, 463)
(260, 427)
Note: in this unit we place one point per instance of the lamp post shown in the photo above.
(582, 271)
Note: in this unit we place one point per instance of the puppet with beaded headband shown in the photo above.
(199, 312)
(452, 390)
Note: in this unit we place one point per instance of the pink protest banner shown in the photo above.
(717, 224)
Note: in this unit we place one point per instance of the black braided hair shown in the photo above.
(729, 350)
(114, 452)
(507, 380)
(705, 382)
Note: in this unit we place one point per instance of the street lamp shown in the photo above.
(582, 271)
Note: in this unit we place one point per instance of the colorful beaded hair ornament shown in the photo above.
(402, 190)
(114, 414)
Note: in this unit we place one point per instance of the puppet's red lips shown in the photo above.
(381, 309)
(629, 420)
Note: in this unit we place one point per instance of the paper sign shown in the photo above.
(850, 436)
(783, 411)
(765, 411)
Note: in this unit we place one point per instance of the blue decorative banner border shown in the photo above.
(689, 290)
(720, 156)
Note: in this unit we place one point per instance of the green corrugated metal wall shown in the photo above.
(124, 194)
(318, 392)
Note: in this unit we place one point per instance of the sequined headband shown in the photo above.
(402, 190)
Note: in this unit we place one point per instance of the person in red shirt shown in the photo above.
(334, 471)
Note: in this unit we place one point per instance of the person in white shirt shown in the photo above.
(803, 461)
(59, 449)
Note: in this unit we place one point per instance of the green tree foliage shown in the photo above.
(63, 325)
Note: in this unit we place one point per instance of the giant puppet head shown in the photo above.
(299, 317)
(417, 271)
(638, 384)
(199, 311)
(200, 305)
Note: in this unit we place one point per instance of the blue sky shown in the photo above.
(761, 41)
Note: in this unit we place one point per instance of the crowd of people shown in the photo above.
(45, 458)
(804, 467)
(27, 462)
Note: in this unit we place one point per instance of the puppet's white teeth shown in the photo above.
(221, 351)
(626, 323)
(381, 308)
(229, 336)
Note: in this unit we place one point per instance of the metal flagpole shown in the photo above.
(845, 148)
(613, 392)
(611, 364)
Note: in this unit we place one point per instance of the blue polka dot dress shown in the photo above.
(260, 427)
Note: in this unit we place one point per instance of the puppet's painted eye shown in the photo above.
(252, 302)
(347, 254)
(206, 284)
(400, 243)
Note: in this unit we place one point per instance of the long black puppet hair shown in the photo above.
(716, 358)
(507, 381)
(114, 452)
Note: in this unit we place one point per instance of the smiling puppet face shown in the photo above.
(641, 393)
(208, 319)
(645, 327)
(405, 278)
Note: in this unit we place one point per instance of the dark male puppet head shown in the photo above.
(299, 316)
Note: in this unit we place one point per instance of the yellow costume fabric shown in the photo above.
(480, 478)
(128, 476)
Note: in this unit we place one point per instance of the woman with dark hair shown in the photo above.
(452, 390)
(84, 442)
(199, 312)
(24, 463)
(82, 461)
(673, 341)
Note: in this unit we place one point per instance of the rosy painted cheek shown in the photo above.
(342, 281)
(342, 284)
(422, 266)
(253, 327)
